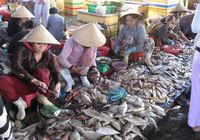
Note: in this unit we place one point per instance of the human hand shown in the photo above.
(74, 69)
(57, 89)
(124, 42)
(79, 70)
(42, 86)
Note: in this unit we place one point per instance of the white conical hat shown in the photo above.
(89, 35)
(130, 12)
(22, 12)
(179, 8)
(40, 35)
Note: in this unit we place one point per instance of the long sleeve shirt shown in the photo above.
(161, 32)
(195, 26)
(24, 64)
(56, 25)
(72, 53)
(138, 33)
(13, 27)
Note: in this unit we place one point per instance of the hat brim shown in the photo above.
(40, 35)
(179, 8)
(134, 14)
(95, 38)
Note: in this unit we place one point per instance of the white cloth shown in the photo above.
(65, 73)
(194, 110)
(195, 26)
(38, 1)
(41, 12)
(25, 0)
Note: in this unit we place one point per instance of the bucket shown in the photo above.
(92, 8)
(110, 9)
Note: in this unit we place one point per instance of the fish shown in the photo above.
(123, 108)
(107, 131)
(75, 135)
(127, 128)
(92, 135)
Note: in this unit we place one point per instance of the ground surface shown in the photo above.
(174, 127)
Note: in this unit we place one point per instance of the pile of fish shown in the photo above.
(97, 119)
(165, 80)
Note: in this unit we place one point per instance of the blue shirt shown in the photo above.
(138, 34)
(56, 26)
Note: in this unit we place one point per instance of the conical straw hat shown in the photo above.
(22, 12)
(130, 12)
(179, 8)
(40, 35)
(89, 35)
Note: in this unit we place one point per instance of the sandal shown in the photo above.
(196, 129)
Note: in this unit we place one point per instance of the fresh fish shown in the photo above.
(75, 136)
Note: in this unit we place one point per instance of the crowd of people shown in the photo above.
(36, 70)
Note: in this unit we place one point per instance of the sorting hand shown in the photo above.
(57, 89)
(41, 85)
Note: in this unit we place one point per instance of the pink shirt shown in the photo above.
(71, 54)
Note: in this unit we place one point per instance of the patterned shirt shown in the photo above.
(24, 64)
(138, 34)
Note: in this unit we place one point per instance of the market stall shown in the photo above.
(121, 104)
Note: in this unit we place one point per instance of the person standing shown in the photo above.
(28, 4)
(55, 19)
(194, 110)
(41, 11)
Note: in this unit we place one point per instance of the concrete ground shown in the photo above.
(174, 127)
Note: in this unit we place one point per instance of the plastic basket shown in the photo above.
(92, 8)
(110, 9)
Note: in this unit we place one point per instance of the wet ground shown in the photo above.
(174, 127)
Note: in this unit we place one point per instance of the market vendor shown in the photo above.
(177, 33)
(161, 32)
(34, 72)
(15, 24)
(179, 9)
(132, 37)
(28, 26)
(79, 54)
(168, 33)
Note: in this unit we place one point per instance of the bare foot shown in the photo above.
(196, 129)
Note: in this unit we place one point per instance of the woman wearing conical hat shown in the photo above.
(132, 37)
(79, 54)
(179, 9)
(34, 71)
(15, 24)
